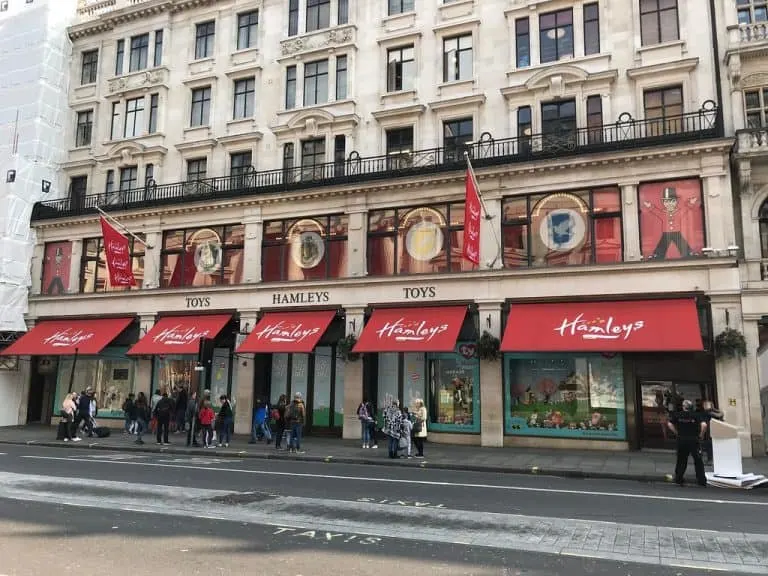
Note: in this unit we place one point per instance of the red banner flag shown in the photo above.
(472, 213)
(118, 254)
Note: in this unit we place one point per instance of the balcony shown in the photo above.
(624, 134)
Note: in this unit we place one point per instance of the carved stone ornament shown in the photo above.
(126, 156)
(137, 81)
(327, 39)
(757, 79)
(734, 71)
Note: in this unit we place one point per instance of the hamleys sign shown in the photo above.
(68, 338)
(598, 328)
(286, 332)
(402, 330)
(179, 335)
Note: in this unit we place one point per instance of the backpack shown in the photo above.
(163, 407)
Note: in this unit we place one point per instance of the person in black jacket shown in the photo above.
(181, 409)
(163, 411)
(141, 407)
(226, 418)
(84, 412)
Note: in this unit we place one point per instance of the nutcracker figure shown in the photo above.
(672, 214)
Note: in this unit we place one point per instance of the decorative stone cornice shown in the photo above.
(318, 41)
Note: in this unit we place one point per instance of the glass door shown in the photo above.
(659, 399)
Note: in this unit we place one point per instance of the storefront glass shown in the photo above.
(56, 267)
(279, 377)
(454, 392)
(671, 219)
(388, 381)
(321, 394)
(220, 375)
(565, 396)
(111, 375)
(174, 370)
(338, 397)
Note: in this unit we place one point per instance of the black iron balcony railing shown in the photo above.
(625, 133)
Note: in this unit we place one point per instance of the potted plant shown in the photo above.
(488, 347)
(730, 343)
(345, 348)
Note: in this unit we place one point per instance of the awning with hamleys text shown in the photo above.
(623, 326)
(68, 337)
(179, 334)
(285, 332)
(412, 329)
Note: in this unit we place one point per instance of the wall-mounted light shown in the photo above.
(352, 324)
(246, 329)
(46, 186)
(10, 176)
(488, 321)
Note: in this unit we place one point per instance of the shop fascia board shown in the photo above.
(630, 280)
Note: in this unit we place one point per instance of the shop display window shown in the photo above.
(207, 256)
(565, 396)
(94, 275)
(305, 249)
(57, 259)
(172, 370)
(418, 240)
(111, 375)
(563, 228)
(671, 219)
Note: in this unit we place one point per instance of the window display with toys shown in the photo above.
(565, 395)
(454, 382)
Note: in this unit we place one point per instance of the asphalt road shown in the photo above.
(213, 515)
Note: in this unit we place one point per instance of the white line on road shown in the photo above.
(697, 500)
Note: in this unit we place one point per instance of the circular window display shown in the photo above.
(208, 251)
(424, 239)
(307, 246)
(563, 230)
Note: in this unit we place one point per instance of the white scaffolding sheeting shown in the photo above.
(35, 60)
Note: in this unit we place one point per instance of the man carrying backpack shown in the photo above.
(162, 412)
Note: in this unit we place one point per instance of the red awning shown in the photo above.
(287, 332)
(66, 337)
(626, 326)
(412, 330)
(179, 334)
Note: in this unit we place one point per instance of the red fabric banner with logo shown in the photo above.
(117, 251)
(472, 214)
(179, 334)
(412, 330)
(64, 337)
(624, 326)
(284, 332)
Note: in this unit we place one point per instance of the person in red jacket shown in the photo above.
(206, 418)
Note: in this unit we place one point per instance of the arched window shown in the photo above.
(764, 229)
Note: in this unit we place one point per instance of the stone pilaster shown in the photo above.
(243, 392)
(491, 382)
(353, 375)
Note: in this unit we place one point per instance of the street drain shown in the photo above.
(242, 498)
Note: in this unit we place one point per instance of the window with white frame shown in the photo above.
(247, 29)
(457, 58)
(200, 113)
(318, 14)
(134, 117)
(158, 47)
(290, 87)
(556, 35)
(154, 111)
(129, 177)
(316, 82)
(457, 138)
(341, 77)
(139, 53)
(401, 68)
(84, 128)
(119, 57)
(751, 11)
(293, 17)
(197, 169)
(756, 107)
(313, 159)
(658, 21)
(89, 66)
(245, 95)
(205, 34)
(400, 6)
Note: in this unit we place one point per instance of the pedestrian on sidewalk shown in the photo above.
(393, 424)
(407, 432)
(279, 416)
(182, 399)
(226, 419)
(162, 413)
(295, 417)
(143, 415)
(365, 418)
(419, 427)
(68, 410)
(85, 415)
(689, 428)
(192, 423)
(207, 416)
(129, 413)
(372, 425)
(260, 427)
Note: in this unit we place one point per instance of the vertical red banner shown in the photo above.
(472, 213)
(117, 251)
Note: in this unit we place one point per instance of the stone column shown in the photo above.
(631, 218)
(718, 212)
(152, 271)
(74, 267)
(357, 253)
(751, 384)
(245, 376)
(491, 254)
(38, 257)
(491, 382)
(142, 380)
(254, 232)
(353, 375)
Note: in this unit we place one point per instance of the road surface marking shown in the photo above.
(697, 500)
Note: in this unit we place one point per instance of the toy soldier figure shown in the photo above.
(671, 219)
(689, 427)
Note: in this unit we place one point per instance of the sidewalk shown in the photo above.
(642, 466)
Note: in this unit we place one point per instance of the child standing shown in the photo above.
(206, 418)
(405, 437)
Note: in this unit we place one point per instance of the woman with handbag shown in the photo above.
(419, 427)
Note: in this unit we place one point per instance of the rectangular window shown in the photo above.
(316, 82)
(339, 154)
(94, 274)
(201, 107)
(129, 178)
(139, 53)
(457, 58)
(591, 29)
(343, 12)
(556, 35)
(84, 128)
(197, 169)
(756, 106)
(313, 159)
(523, 42)
(290, 88)
(457, 136)
(134, 117)
(247, 29)
(318, 14)
(399, 148)
(322, 253)
(658, 21)
(288, 162)
(208, 256)
(205, 33)
(158, 47)
(558, 125)
(245, 92)
(541, 230)
(399, 241)
(57, 262)
(114, 131)
(663, 110)
(401, 69)
(524, 130)
(109, 183)
(594, 119)
(293, 17)
(341, 77)
(671, 219)
(78, 188)
(400, 6)
(154, 109)
(752, 11)
(119, 57)
(240, 163)
(149, 174)
(89, 67)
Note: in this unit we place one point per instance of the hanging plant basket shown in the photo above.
(345, 347)
(488, 347)
(730, 343)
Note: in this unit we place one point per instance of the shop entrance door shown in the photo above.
(658, 398)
